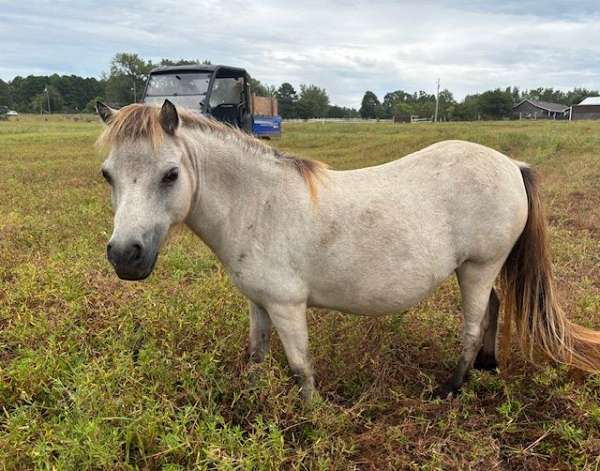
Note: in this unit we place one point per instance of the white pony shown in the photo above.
(292, 233)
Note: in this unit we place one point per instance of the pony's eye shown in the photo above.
(106, 176)
(171, 175)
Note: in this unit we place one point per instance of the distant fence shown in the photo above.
(337, 120)
(416, 119)
(413, 119)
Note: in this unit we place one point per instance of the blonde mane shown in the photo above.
(137, 121)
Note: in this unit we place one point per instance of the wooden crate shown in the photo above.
(264, 105)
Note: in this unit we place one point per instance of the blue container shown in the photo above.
(266, 126)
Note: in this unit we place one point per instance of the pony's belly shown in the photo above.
(374, 300)
(389, 279)
(369, 308)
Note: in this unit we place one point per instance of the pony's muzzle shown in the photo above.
(132, 260)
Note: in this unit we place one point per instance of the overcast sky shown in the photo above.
(345, 46)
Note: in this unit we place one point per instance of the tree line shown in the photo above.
(310, 102)
(491, 104)
(124, 83)
(125, 80)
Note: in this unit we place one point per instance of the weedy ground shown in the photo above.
(96, 373)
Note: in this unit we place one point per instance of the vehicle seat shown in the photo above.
(227, 113)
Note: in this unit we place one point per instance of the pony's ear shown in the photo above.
(169, 119)
(105, 112)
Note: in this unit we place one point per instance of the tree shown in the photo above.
(571, 97)
(5, 94)
(258, 88)
(544, 94)
(91, 105)
(446, 105)
(171, 62)
(118, 90)
(495, 104)
(287, 98)
(576, 95)
(423, 104)
(313, 102)
(342, 112)
(25, 88)
(76, 91)
(128, 75)
(515, 93)
(402, 108)
(370, 106)
(392, 100)
(271, 90)
(468, 110)
(39, 103)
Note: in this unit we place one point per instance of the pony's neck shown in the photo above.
(232, 184)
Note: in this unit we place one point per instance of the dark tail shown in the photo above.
(528, 285)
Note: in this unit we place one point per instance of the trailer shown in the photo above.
(222, 92)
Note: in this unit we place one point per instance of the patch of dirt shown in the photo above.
(580, 211)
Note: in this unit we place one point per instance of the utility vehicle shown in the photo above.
(219, 91)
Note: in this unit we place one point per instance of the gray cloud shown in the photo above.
(344, 46)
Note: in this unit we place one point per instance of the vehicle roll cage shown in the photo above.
(215, 71)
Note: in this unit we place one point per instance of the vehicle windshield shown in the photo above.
(178, 84)
(226, 91)
(191, 102)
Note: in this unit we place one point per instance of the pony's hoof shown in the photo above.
(255, 374)
(312, 400)
(309, 394)
(485, 361)
(446, 392)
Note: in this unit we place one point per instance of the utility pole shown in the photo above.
(48, 96)
(437, 102)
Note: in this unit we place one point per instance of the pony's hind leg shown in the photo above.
(260, 333)
(486, 358)
(476, 282)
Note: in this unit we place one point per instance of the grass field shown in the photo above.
(96, 373)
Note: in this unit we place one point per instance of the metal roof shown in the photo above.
(592, 100)
(544, 105)
(196, 68)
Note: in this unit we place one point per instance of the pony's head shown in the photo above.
(151, 183)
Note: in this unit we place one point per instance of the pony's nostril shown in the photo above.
(108, 248)
(136, 252)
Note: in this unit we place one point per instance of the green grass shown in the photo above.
(99, 373)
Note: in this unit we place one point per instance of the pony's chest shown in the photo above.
(263, 279)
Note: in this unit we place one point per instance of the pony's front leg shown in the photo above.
(290, 323)
(260, 333)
